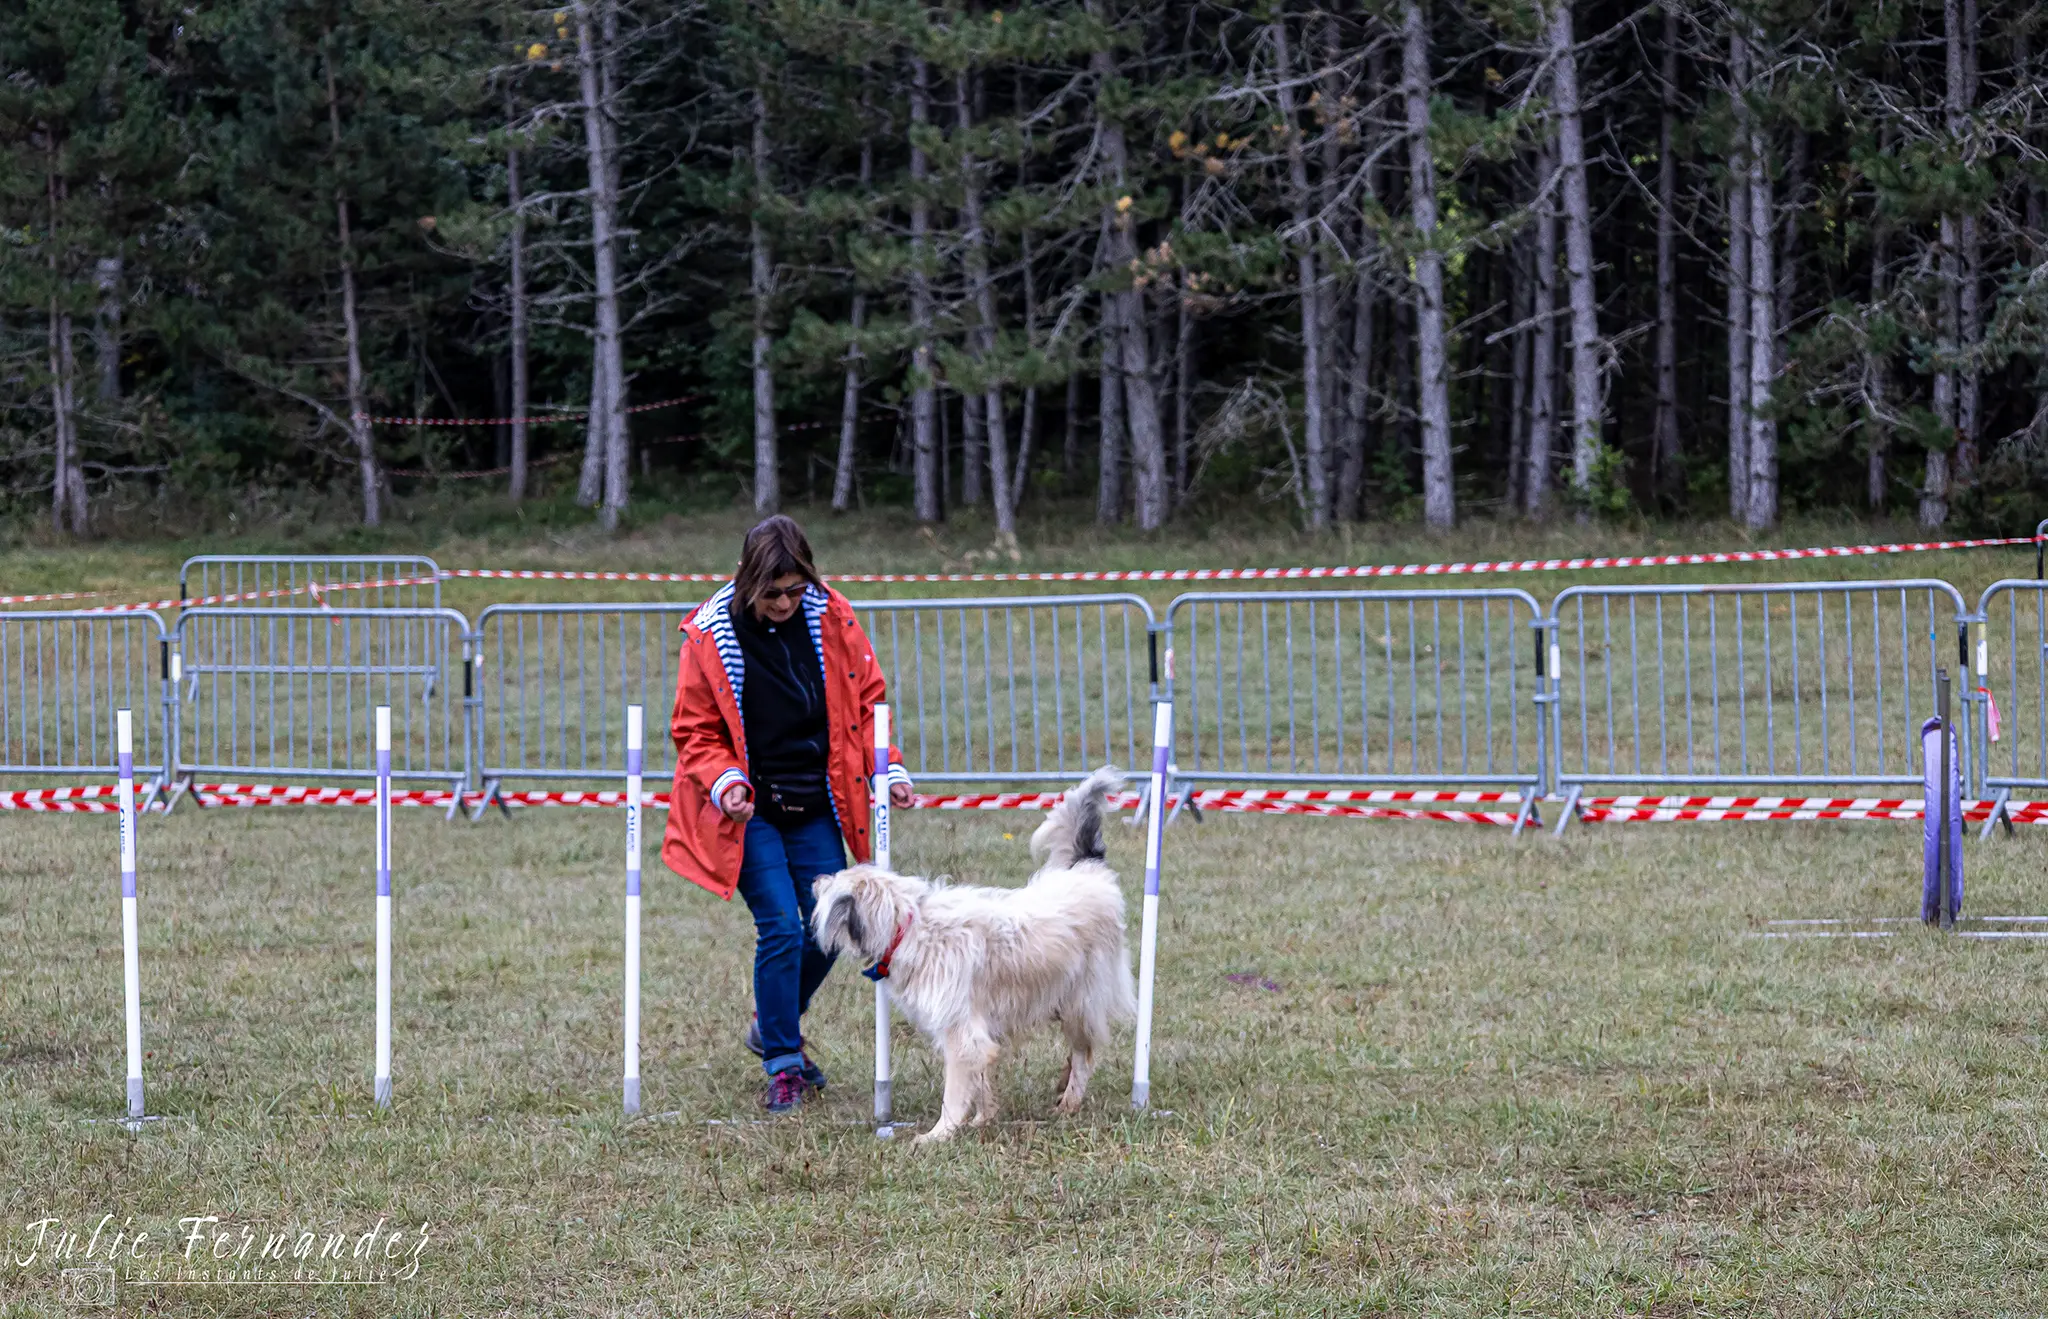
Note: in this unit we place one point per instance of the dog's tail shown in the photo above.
(1073, 829)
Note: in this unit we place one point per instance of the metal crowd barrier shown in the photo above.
(1644, 688)
(2011, 669)
(279, 581)
(289, 691)
(1017, 690)
(1766, 685)
(555, 681)
(1365, 688)
(1023, 690)
(63, 674)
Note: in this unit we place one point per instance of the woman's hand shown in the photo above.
(900, 795)
(737, 803)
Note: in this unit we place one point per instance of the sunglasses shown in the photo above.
(771, 593)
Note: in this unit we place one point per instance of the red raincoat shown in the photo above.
(703, 845)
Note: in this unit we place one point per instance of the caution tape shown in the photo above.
(1421, 804)
(1362, 571)
(1092, 575)
(541, 420)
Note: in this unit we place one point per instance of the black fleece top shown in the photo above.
(782, 710)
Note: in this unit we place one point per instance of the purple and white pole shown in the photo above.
(884, 1073)
(131, 963)
(1148, 939)
(633, 772)
(383, 1071)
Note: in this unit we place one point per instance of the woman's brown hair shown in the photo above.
(776, 547)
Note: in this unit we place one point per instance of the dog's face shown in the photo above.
(858, 910)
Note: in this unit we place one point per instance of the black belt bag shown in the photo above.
(794, 798)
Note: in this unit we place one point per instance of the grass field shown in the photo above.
(1402, 1069)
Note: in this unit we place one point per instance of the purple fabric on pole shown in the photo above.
(1930, 825)
(384, 824)
(127, 824)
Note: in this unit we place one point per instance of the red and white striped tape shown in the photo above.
(1293, 574)
(540, 420)
(1090, 575)
(1357, 804)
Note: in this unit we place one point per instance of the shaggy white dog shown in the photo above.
(975, 968)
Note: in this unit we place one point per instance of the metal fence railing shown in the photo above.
(2010, 674)
(1640, 687)
(1016, 689)
(275, 691)
(1763, 685)
(63, 674)
(1010, 690)
(283, 581)
(1365, 688)
(555, 681)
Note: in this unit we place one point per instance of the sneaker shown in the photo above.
(787, 1089)
(814, 1075)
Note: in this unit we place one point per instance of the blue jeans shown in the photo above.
(776, 873)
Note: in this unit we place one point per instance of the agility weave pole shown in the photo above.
(131, 941)
(382, 1079)
(1148, 938)
(632, 986)
(884, 1073)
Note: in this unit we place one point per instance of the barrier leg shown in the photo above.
(1528, 814)
(884, 1074)
(632, 1032)
(1148, 938)
(131, 954)
(383, 1068)
(1569, 809)
(1999, 815)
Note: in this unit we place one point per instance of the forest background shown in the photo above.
(1277, 264)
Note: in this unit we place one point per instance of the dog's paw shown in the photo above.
(936, 1136)
(1067, 1107)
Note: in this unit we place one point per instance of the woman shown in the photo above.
(774, 730)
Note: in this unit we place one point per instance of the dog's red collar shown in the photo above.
(880, 970)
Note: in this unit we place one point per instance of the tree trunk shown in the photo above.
(1520, 297)
(1027, 429)
(1877, 376)
(1738, 285)
(1070, 445)
(1183, 389)
(67, 482)
(1109, 490)
(1664, 447)
(521, 388)
(590, 480)
(1784, 305)
(1439, 497)
(1357, 404)
(1970, 337)
(351, 330)
(1309, 294)
(991, 427)
(1134, 357)
(924, 438)
(849, 397)
(1543, 343)
(106, 330)
(1578, 252)
(1763, 431)
(761, 288)
(608, 393)
(1358, 382)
